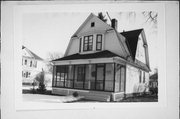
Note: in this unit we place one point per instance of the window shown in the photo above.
(79, 76)
(25, 62)
(99, 42)
(27, 74)
(61, 75)
(92, 24)
(35, 64)
(80, 73)
(31, 64)
(80, 40)
(88, 43)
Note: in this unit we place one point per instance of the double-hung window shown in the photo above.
(99, 42)
(88, 43)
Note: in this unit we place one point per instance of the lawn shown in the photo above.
(28, 95)
(142, 98)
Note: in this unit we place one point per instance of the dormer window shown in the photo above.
(88, 43)
(92, 24)
(99, 42)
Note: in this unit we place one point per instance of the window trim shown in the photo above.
(88, 42)
(80, 44)
(97, 42)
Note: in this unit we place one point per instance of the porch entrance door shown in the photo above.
(100, 77)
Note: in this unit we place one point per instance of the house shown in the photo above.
(102, 64)
(32, 65)
(153, 83)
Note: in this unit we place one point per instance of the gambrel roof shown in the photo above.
(132, 40)
(128, 42)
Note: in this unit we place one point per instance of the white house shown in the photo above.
(32, 64)
(102, 64)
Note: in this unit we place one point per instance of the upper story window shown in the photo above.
(80, 41)
(88, 43)
(31, 64)
(25, 62)
(35, 64)
(92, 24)
(99, 42)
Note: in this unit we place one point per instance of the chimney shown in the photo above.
(114, 23)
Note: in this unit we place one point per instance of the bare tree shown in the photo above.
(150, 16)
(54, 56)
(102, 17)
(50, 57)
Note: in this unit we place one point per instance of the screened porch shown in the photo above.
(108, 77)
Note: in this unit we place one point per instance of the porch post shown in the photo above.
(114, 64)
(89, 80)
(53, 73)
(69, 73)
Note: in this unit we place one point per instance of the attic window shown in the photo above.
(92, 24)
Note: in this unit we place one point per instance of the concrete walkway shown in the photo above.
(49, 98)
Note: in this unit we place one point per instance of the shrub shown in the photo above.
(75, 94)
(40, 78)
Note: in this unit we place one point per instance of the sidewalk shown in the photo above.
(49, 98)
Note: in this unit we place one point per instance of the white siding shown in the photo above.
(74, 47)
(140, 52)
(132, 80)
(112, 44)
(99, 26)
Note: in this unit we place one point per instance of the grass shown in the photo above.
(141, 98)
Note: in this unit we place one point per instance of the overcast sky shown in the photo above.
(45, 33)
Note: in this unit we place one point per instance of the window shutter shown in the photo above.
(80, 40)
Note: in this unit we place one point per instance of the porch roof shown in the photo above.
(97, 57)
(102, 54)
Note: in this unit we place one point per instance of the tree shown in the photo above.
(150, 16)
(54, 55)
(40, 79)
(50, 57)
(102, 17)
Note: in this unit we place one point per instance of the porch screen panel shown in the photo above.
(69, 80)
(61, 76)
(100, 76)
(66, 76)
(89, 83)
(118, 77)
(109, 77)
(54, 76)
(79, 76)
(122, 83)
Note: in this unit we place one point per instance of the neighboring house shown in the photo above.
(102, 64)
(32, 64)
(153, 80)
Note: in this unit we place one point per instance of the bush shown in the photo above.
(75, 94)
(40, 78)
(153, 90)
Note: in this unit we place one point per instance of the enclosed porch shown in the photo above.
(90, 80)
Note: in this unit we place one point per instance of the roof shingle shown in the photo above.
(132, 40)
